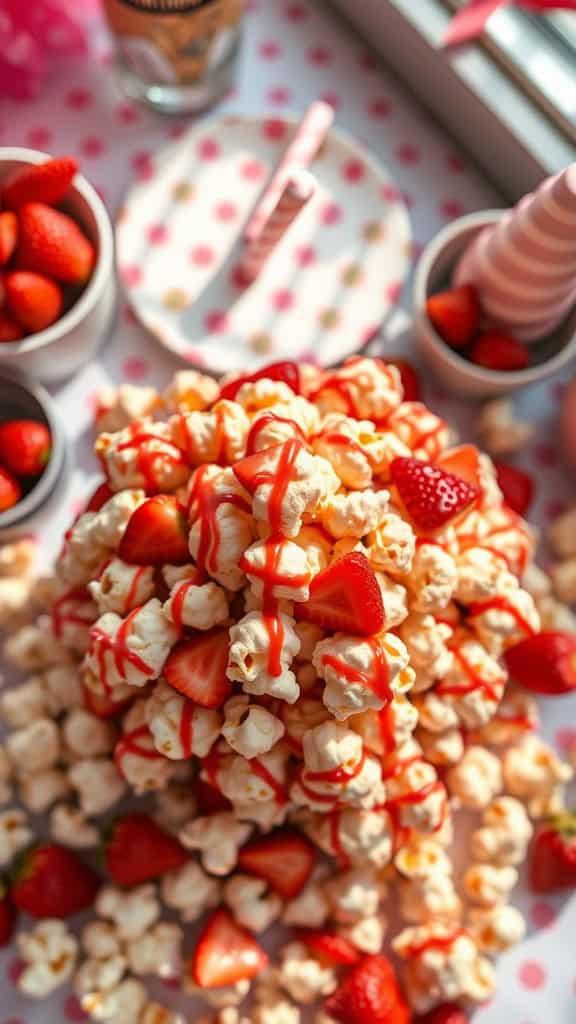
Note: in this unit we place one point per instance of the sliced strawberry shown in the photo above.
(7, 916)
(553, 855)
(40, 183)
(260, 468)
(10, 490)
(345, 597)
(463, 462)
(157, 533)
(101, 495)
(51, 881)
(25, 447)
(498, 351)
(34, 300)
(455, 314)
(51, 243)
(448, 1013)
(431, 496)
(8, 235)
(330, 946)
(138, 850)
(284, 859)
(411, 387)
(516, 486)
(368, 994)
(286, 372)
(9, 329)
(209, 799)
(197, 668)
(544, 663)
(225, 953)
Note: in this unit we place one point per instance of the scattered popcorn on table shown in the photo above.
(190, 891)
(496, 929)
(476, 779)
(504, 834)
(97, 783)
(42, 789)
(34, 748)
(487, 884)
(15, 834)
(500, 432)
(536, 775)
(218, 839)
(132, 913)
(69, 827)
(49, 953)
(442, 963)
(157, 952)
(251, 903)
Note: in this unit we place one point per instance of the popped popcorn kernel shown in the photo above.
(49, 953)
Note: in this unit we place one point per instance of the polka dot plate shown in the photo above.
(325, 290)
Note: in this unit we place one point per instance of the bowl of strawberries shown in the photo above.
(468, 354)
(57, 282)
(32, 447)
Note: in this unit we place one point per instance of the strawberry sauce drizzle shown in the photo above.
(117, 646)
(339, 851)
(146, 460)
(186, 729)
(378, 682)
(179, 600)
(203, 505)
(60, 617)
(133, 591)
(343, 441)
(129, 744)
(476, 681)
(264, 421)
(442, 943)
(501, 603)
(260, 769)
(419, 438)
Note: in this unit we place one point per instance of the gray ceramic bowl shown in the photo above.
(22, 398)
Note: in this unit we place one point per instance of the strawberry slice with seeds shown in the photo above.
(284, 859)
(430, 495)
(368, 994)
(137, 850)
(34, 300)
(25, 446)
(157, 533)
(197, 668)
(553, 855)
(225, 953)
(8, 235)
(47, 182)
(51, 881)
(257, 469)
(516, 486)
(51, 243)
(497, 351)
(544, 663)
(345, 597)
(330, 946)
(286, 372)
(455, 314)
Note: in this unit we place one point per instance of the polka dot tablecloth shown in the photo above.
(295, 51)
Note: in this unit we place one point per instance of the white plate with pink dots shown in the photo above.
(329, 283)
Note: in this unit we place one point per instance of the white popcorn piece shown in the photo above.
(425, 434)
(143, 455)
(253, 906)
(500, 431)
(40, 790)
(303, 977)
(481, 575)
(276, 426)
(367, 388)
(426, 890)
(217, 436)
(288, 578)
(356, 449)
(81, 557)
(17, 557)
(353, 895)
(536, 775)
(98, 976)
(394, 599)
(34, 647)
(309, 482)
(62, 688)
(190, 891)
(222, 527)
(426, 642)
(298, 718)
(97, 783)
(562, 534)
(117, 407)
(361, 673)
(158, 952)
(132, 912)
(556, 615)
(175, 804)
(415, 797)
(190, 391)
(337, 769)
(504, 835)
(218, 839)
(86, 735)
(442, 748)
(35, 748)
(476, 779)
(197, 606)
(249, 729)
(15, 601)
(516, 715)
(23, 704)
(310, 908)
(487, 884)
(100, 941)
(435, 714)
(219, 997)
(472, 687)
(563, 576)
(15, 834)
(355, 514)
(131, 650)
(121, 1005)
(496, 929)
(49, 953)
(258, 781)
(392, 545)
(69, 827)
(442, 964)
(250, 661)
(73, 614)
(120, 587)
(433, 579)
(136, 757)
(354, 836)
(506, 619)
(317, 545)
(367, 934)
(180, 728)
(505, 533)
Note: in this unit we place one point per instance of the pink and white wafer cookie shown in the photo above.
(310, 134)
(297, 192)
(525, 266)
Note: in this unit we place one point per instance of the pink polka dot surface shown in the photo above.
(178, 241)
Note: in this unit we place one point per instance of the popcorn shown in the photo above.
(415, 797)
(337, 770)
(218, 838)
(442, 964)
(504, 620)
(17, 557)
(257, 781)
(49, 953)
(251, 662)
(180, 728)
(249, 729)
(317, 546)
(303, 977)
(367, 934)
(121, 587)
(23, 704)
(220, 997)
(426, 643)
(40, 790)
(190, 891)
(555, 615)
(500, 431)
(15, 599)
(426, 890)
(433, 579)
(516, 714)
(131, 650)
(132, 912)
(253, 906)
(481, 575)
(290, 576)
(496, 929)
(73, 614)
(190, 391)
(563, 576)
(310, 908)
(62, 688)
(476, 779)
(81, 557)
(366, 388)
(6, 772)
(356, 450)
(534, 774)
(562, 534)
(197, 606)
(15, 834)
(394, 599)
(97, 783)
(155, 1013)
(157, 952)
(353, 895)
(487, 884)
(473, 687)
(175, 804)
(143, 455)
(221, 524)
(300, 717)
(309, 483)
(443, 748)
(121, 1005)
(85, 735)
(98, 976)
(136, 756)
(218, 436)
(100, 941)
(391, 546)
(35, 748)
(117, 407)
(425, 434)
(354, 514)
(505, 833)
(69, 827)
(361, 674)
(354, 836)
(34, 647)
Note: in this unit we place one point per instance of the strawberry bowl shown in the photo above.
(60, 349)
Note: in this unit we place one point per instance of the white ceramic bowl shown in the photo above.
(61, 349)
(458, 374)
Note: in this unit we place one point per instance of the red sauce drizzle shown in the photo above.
(395, 804)
(501, 603)
(203, 504)
(118, 647)
(476, 681)
(378, 682)
(342, 387)
(131, 595)
(178, 602)
(339, 776)
(343, 441)
(211, 766)
(186, 723)
(386, 728)
(419, 439)
(440, 942)
(262, 422)
(145, 459)
(263, 773)
(60, 616)
(339, 851)
(129, 744)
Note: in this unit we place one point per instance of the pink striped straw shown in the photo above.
(297, 192)
(525, 266)
(310, 134)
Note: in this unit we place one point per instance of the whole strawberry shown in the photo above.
(7, 916)
(51, 243)
(9, 329)
(51, 881)
(368, 994)
(516, 486)
(497, 351)
(448, 1013)
(25, 447)
(10, 490)
(431, 495)
(34, 300)
(138, 850)
(47, 182)
(553, 856)
(455, 314)
(8, 235)
(544, 663)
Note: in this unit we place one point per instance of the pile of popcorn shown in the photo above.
(453, 737)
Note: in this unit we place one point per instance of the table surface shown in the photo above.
(293, 53)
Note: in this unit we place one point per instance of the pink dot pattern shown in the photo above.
(532, 975)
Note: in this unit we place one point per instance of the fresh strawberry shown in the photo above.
(285, 372)
(225, 953)
(157, 533)
(9, 329)
(52, 243)
(544, 663)
(7, 916)
(209, 799)
(8, 235)
(410, 379)
(25, 446)
(368, 994)
(51, 881)
(138, 850)
(330, 946)
(197, 668)
(34, 300)
(498, 351)
(283, 858)
(40, 183)
(516, 486)
(345, 597)
(101, 705)
(448, 1013)
(431, 496)
(553, 855)
(10, 490)
(455, 314)
(101, 495)
(463, 462)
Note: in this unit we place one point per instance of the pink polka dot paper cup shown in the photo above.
(63, 348)
(460, 376)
